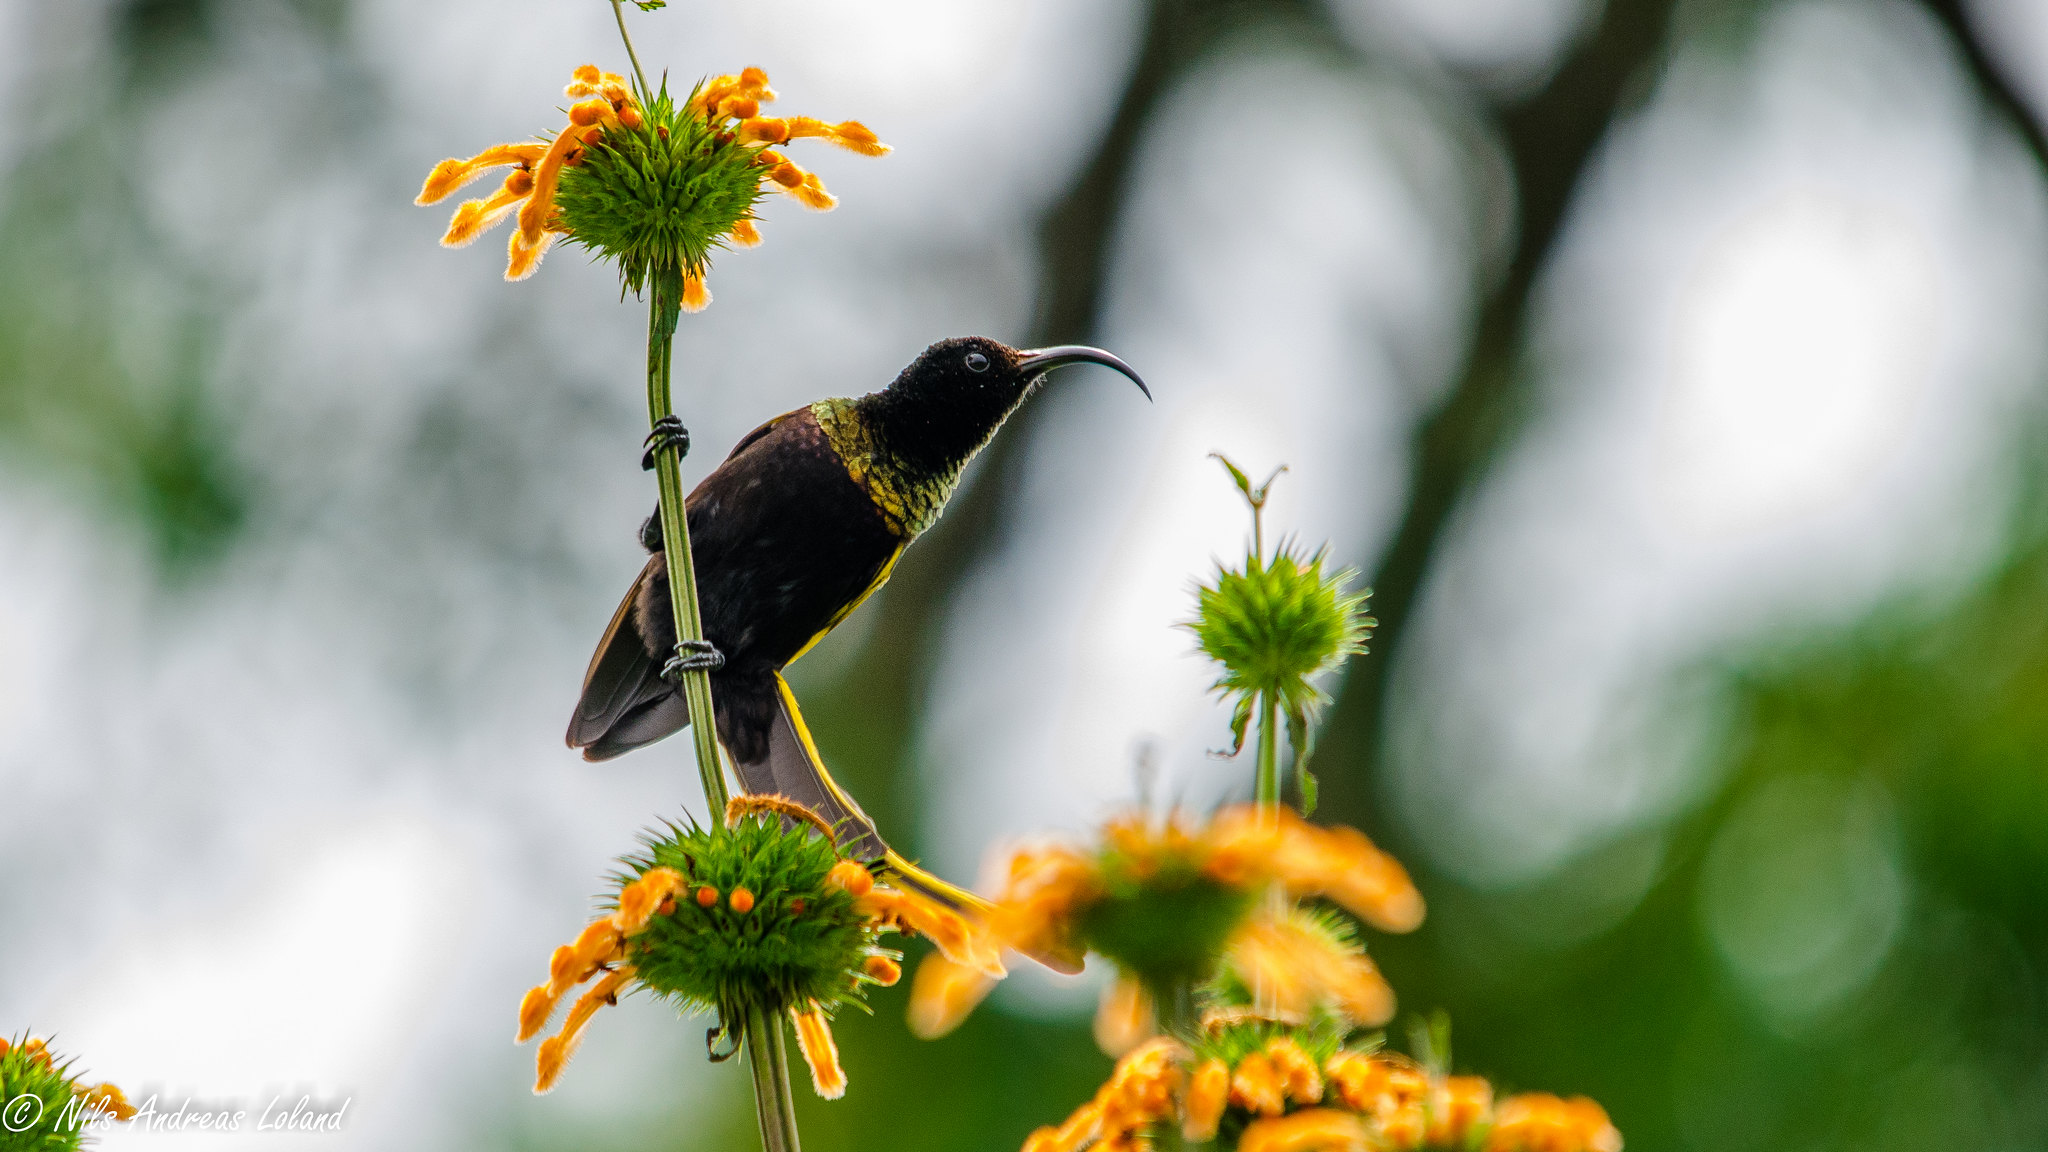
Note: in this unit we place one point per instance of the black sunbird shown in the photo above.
(799, 525)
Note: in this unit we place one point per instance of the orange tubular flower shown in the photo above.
(959, 940)
(555, 1050)
(1208, 1092)
(1297, 964)
(1540, 1122)
(733, 103)
(1048, 886)
(1461, 1105)
(1257, 1086)
(1315, 1130)
(1310, 860)
(942, 994)
(1408, 1106)
(537, 168)
(1125, 1017)
(108, 1099)
(814, 1039)
(1391, 1088)
(1142, 1091)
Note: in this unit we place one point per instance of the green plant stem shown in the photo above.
(664, 306)
(1266, 795)
(1175, 1005)
(762, 1038)
(619, 14)
(774, 1107)
(1266, 785)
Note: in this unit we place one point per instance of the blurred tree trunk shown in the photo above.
(1550, 137)
(2005, 102)
(871, 719)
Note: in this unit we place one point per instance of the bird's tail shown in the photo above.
(903, 874)
(791, 767)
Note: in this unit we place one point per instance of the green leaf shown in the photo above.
(1244, 482)
(1256, 497)
(1240, 719)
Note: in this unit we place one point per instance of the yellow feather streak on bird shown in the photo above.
(958, 929)
(908, 510)
(839, 617)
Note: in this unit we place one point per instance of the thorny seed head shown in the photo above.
(1275, 624)
(756, 914)
(44, 1104)
(639, 178)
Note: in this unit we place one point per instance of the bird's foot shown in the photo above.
(668, 433)
(692, 655)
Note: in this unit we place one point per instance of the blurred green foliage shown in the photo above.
(1841, 945)
(1844, 943)
(1878, 831)
(107, 373)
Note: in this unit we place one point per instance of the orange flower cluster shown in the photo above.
(1049, 887)
(602, 945)
(960, 940)
(734, 102)
(1353, 1102)
(1140, 1094)
(536, 169)
(1263, 1083)
(100, 1098)
(1410, 1107)
(598, 949)
(601, 948)
(729, 105)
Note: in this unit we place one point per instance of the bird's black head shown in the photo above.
(954, 396)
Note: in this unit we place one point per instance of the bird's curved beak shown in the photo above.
(1039, 361)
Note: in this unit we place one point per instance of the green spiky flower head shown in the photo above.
(1275, 624)
(1157, 912)
(662, 195)
(43, 1105)
(637, 177)
(760, 921)
(751, 919)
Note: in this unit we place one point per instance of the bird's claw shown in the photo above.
(692, 655)
(668, 433)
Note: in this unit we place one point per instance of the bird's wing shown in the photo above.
(839, 617)
(625, 703)
(748, 440)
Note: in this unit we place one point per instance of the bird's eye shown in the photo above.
(976, 362)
